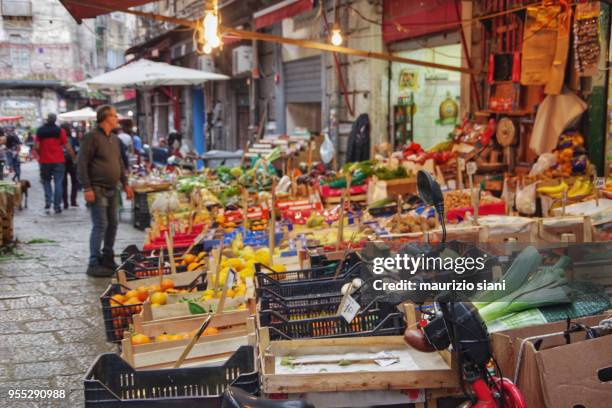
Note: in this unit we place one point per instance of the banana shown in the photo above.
(585, 189)
(576, 188)
(550, 190)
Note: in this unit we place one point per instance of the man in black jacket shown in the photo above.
(100, 169)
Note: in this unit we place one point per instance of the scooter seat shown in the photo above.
(237, 398)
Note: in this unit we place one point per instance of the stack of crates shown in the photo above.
(140, 212)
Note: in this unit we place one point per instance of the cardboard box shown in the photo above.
(559, 375)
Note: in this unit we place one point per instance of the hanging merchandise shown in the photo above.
(555, 114)
(557, 70)
(586, 38)
(327, 150)
(449, 111)
(539, 41)
(526, 199)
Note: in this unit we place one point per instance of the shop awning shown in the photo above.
(81, 9)
(10, 118)
(279, 11)
(406, 19)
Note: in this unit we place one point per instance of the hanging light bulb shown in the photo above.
(207, 48)
(336, 36)
(215, 41)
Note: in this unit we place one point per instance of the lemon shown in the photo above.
(278, 268)
(262, 256)
(235, 263)
(247, 272)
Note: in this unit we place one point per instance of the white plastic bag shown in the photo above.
(283, 185)
(545, 162)
(327, 150)
(526, 199)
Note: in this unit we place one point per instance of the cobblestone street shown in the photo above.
(50, 320)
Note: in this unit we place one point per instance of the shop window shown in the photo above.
(20, 52)
(431, 95)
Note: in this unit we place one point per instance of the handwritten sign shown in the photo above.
(471, 168)
(349, 308)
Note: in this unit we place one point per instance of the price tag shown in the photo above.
(471, 168)
(231, 276)
(349, 309)
(600, 182)
(461, 163)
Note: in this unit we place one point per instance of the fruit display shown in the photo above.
(139, 338)
(580, 188)
(119, 304)
(461, 199)
(408, 223)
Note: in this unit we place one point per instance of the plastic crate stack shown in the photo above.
(304, 304)
(112, 383)
(140, 212)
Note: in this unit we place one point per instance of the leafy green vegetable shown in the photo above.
(526, 263)
(194, 308)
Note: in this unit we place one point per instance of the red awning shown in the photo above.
(285, 9)
(10, 118)
(405, 19)
(81, 9)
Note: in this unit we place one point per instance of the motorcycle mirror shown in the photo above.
(431, 193)
(429, 189)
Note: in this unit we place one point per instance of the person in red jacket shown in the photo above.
(49, 145)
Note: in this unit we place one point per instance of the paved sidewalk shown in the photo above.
(49, 338)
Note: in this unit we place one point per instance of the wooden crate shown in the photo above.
(233, 333)
(6, 224)
(380, 189)
(435, 370)
(179, 279)
(565, 229)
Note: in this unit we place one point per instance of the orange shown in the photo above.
(192, 266)
(210, 331)
(159, 298)
(189, 258)
(117, 300)
(174, 337)
(143, 293)
(131, 293)
(167, 284)
(132, 301)
(140, 339)
(162, 337)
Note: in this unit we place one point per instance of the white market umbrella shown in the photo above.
(78, 115)
(145, 73)
(84, 114)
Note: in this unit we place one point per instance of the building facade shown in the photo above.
(43, 52)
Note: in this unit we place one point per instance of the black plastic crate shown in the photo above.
(376, 319)
(306, 282)
(111, 383)
(273, 301)
(137, 255)
(118, 318)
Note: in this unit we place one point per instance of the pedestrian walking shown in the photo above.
(13, 148)
(50, 142)
(71, 169)
(100, 170)
(29, 142)
(2, 152)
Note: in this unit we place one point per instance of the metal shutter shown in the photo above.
(303, 80)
